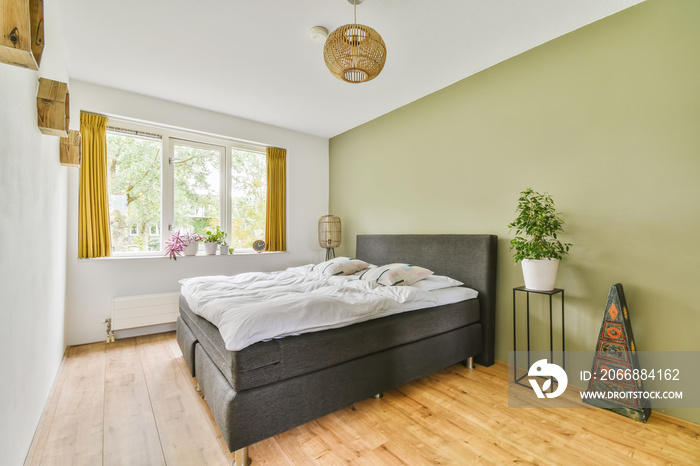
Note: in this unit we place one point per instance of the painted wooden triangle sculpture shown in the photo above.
(615, 361)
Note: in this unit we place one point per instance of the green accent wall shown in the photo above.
(607, 120)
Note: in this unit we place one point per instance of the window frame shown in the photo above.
(169, 138)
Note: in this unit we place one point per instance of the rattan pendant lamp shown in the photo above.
(355, 53)
(329, 234)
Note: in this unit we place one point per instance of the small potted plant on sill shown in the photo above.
(213, 240)
(536, 244)
(175, 245)
(223, 249)
(178, 244)
(191, 241)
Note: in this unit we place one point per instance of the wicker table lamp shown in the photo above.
(329, 234)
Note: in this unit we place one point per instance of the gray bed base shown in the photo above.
(249, 416)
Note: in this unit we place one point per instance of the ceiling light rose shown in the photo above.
(355, 53)
(319, 34)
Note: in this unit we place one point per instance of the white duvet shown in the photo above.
(252, 307)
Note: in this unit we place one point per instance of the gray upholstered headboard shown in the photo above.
(470, 259)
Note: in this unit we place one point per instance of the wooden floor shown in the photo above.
(133, 403)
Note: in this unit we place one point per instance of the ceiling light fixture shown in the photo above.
(355, 53)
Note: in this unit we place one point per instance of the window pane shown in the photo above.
(134, 187)
(248, 198)
(197, 187)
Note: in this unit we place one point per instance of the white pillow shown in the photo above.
(395, 274)
(340, 266)
(436, 282)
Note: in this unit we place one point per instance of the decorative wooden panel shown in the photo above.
(71, 149)
(617, 351)
(22, 32)
(53, 107)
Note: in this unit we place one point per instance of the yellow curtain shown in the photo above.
(275, 225)
(93, 205)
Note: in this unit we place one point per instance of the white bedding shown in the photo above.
(257, 306)
(453, 295)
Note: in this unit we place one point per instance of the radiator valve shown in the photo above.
(110, 333)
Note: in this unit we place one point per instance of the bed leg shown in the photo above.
(378, 396)
(241, 458)
(469, 363)
(197, 388)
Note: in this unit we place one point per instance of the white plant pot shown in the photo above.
(210, 248)
(223, 250)
(191, 249)
(540, 274)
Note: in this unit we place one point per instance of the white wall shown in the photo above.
(33, 258)
(93, 282)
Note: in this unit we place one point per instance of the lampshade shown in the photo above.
(329, 231)
(355, 53)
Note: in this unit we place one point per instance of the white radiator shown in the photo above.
(144, 310)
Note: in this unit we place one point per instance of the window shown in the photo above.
(134, 188)
(160, 181)
(248, 198)
(197, 176)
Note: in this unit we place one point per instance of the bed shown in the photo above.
(272, 386)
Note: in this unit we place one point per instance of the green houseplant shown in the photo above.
(536, 244)
(213, 240)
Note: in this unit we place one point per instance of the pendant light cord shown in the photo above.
(354, 7)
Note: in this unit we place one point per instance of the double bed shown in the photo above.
(274, 385)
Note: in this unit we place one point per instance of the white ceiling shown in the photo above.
(255, 59)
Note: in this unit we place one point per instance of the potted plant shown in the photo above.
(213, 240)
(191, 241)
(536, 244)
(175, 245)
(178, 244)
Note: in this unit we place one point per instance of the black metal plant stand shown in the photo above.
(555, 291)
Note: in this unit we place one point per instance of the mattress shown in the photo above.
(271, 361)
(259, 306)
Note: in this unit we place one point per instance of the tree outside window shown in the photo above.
(207, 185)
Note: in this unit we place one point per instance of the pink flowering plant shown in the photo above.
(190, 238)
(177, 243)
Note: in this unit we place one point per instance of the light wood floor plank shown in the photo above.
(76, 432)
(410, 430)
(290, 443)
(204, 407)
(556, 429)
(474, 438)
(36, 450)
(269, 453)
(140, 389)
(130, 433)
(185, 433)
(450, 391)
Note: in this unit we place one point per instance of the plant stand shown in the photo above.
(522, 289)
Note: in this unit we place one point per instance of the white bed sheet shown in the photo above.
(258, 306)
(453, 294)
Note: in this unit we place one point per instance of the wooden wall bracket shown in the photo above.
(22, 32)
(71, 149)
(53, 107)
